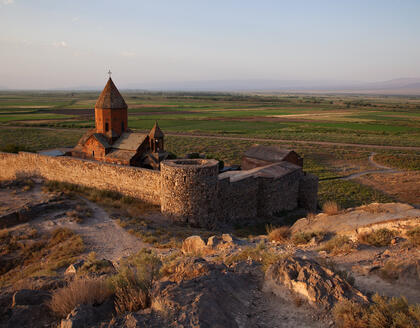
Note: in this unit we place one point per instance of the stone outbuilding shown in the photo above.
(111, 141)
(260, 155)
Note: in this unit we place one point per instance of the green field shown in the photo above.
(33, 121)
(350, 119)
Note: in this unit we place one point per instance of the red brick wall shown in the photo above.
(94, 149)
(114, 118)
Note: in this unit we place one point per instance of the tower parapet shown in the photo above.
(189, 192)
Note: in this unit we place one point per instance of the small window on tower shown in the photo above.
(106, 127)
(93, 153)
(122, 126)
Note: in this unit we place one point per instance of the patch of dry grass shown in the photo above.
(381, 313)
(301, 238)
(331, 207)
(280, 234)
(159, 234)
(77, 292)
(414, 236)
(378, 238)
(131, 206)
(133, 283)
(259, 253)
(30, 254)
(338, 245)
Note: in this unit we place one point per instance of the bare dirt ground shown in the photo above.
(99, 232)
(404, 186)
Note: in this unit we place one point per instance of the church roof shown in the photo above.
(267, 153)
(156, 132)
(102, 140)
(110, 98)
(129, 141)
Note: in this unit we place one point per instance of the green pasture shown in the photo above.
(383, 120)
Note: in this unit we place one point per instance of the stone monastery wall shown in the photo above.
(131, 181)
(189, 191)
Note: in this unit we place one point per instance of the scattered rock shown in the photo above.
(193, 245)
(317, 284)
(74, 268)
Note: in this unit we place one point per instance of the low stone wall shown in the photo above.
(131, 181)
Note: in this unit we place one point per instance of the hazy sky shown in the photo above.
(71, 43)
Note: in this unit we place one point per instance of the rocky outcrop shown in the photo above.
(308, 279)
(367, 218)
(193, 245)
(86, 315)
(28, 309)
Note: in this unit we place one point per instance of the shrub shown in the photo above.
(330, 207)
(414, 236)
(79, 291)
(381, 313)
(338, 245)
(280, 234)
(132, 285)
(380, 237)
(305, 237)
(259, 253)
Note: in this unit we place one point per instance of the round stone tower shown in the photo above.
(189, 190)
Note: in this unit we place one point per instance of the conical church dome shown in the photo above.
(110, 98)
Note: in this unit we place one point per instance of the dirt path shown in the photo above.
(185, 134)
(382, 169)
(99, 233)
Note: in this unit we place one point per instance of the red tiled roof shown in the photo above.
(110, 98)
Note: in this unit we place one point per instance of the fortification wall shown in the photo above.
(280, 194)
(131, 181)
(189, 191)
(237, 200)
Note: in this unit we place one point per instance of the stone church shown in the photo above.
(111, 141)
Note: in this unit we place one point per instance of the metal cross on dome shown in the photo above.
(109, 73)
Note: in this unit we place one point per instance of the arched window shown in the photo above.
(93, 153)
(106, 127)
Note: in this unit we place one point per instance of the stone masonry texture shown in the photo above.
(188, 190)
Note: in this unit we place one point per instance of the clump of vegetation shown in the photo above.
(158, 234)
(22, 253)
(12, 148)
(300, 238)
(108, 198)
(96, 266)
(414, 236)
(350, 194)
(132, 285)
(378, 238)
(338, 245)
(259, 253)
(79, 214)
(381, 313)
(280, 234)
(390, 271)
(330, 207)
(77, 292)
